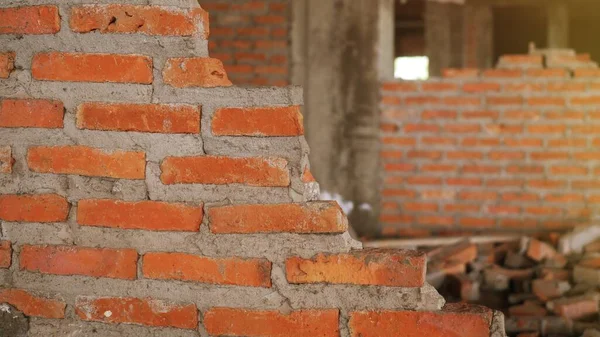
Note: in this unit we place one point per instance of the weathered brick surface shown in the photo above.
(269, 121)
(454, 320)
(31, 113)
(79, 67)
(529, 131)
(86, 161)
(195, 72)
(225, 170)
(151, 312)
(314, 217)
(395, 268)
(155, 118)
(32, 305)
(72, 260)
(241, 322)
(29, 20)
(7, 63)
(252, 38)
(151, 20)
(147, 215)
(6, 159)
(5, 254)
(228, 271)
(33, 208)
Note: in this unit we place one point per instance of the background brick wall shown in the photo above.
(512, 148)
(143, 195)
(252, 39)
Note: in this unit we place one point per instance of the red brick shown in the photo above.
(565, 86)
(522, 87)
(547, 73)
(463, 181)
(439, 86)
(587, 100)
(390, 155)
(504, 183)
(524, 142)
(244, 322)
(5, 254)
(569, 142)
(546, 184)
(586, 129)
(546, 128)
(7, 63)
(477, 222)
(438, 141)
(271, 70)
(398, 193)
(574, 115)
(29, 20)
(481, 87)
(532, 115)
(477, 114)
(151, 20)
(410, 128)
(159, 118)
(519, 197)
(549, 155)
(480, 142)
(145, 311)
(525, 169)
(586, 156)
(146, 215)
(424, 155)
(396, 219)
(265, 44)
(6, 159)
(521, 60)
(31, 113)
(460, 73)
(33, 208)
(420, 207)
(565, 198)
(254, 171)
(397, 268)
(195, 72)
(504, 100)
(388, 127)
(423, 180)
(79, 67)
(506, 155)
(312, 217)
(463, 155)
(32, 305)
(480, 169)
(503, 73)
(462, 101)
(462, 128)
(438, 114)
(438, 168)
(461, 208)
(454, 320)
(307, 176)
(542, 101)
(399, 86)
(503, 209)
(587, 73)
(421, 100)
(267, 121)
(569, 170)
(73, 260)
(187, 267)
(87, 161)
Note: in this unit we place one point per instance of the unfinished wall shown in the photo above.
(143, 195)
(514, 148)
(252, 39)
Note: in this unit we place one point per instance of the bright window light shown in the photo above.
(411, 68)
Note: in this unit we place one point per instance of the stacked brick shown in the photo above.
(512, 148)
(142, 195)
(252, 39)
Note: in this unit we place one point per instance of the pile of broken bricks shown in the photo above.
(546, 286)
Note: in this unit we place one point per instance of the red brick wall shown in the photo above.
(513, 148)
(252, 39)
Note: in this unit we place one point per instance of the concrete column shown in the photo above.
(341, 84)
(444, 31)
(558, 24)
(479, 29)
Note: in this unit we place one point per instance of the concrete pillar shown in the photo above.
(444, 31)
(479, 39)
(341, 75)
(558, 24)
